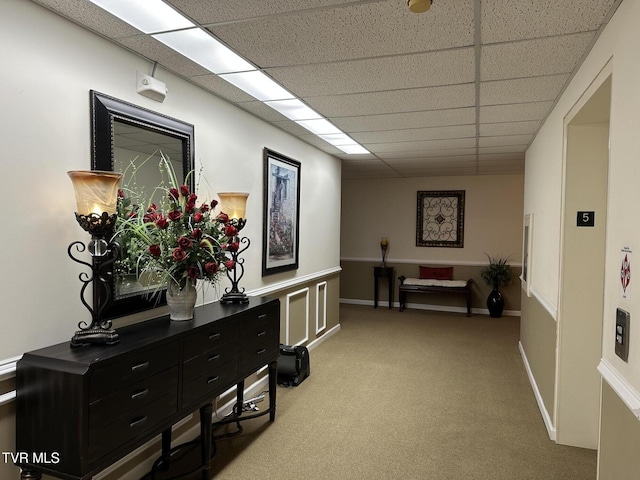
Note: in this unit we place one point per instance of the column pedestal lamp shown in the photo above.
(96, 196)
(234, 204)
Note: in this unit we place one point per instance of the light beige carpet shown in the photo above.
(412, 395)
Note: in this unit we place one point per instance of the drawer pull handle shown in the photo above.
(213, 358)
(213, 336)
(138, 421)
(213, 379)
(261, 351)
(140, 394)
(262, 333)
(140, 367)
(262, 315)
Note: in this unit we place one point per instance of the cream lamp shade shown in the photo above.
(419, 6)
(96, 191)
(234, 204)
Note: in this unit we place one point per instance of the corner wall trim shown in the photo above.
(543, 410)
(276, 287)
(621, 386)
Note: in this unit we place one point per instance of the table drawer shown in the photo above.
(254, 357)
(210, 360)
(263, 328)
(129, 426)
(213, 335)
(210, 384)
(133, 397)
(109, 378)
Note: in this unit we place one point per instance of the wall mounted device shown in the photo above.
(622, 334)
(151, 87)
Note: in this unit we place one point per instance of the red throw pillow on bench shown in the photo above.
(436, 273)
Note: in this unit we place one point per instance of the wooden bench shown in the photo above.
(447, 287)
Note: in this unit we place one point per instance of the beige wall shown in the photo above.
(618, 457)
(375, 208)
(538, 337)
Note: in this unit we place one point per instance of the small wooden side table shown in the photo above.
(383, 272)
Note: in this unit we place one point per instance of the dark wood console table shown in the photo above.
(382, 272)
(79, 410)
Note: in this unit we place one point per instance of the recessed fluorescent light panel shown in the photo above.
(339, 139)
(258, 85)
(148, 16)
(294, 109)
(353, 149)
(202, 48)
(319, 127)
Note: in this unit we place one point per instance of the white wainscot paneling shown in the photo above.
(289, 299)
(321, 306)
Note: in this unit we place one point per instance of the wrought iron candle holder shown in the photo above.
(96, 192)
(234, 204)
(237, 245)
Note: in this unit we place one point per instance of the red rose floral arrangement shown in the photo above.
(183, 244)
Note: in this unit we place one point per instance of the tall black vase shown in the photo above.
(495, 303)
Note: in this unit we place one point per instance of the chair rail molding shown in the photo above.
(621, 386)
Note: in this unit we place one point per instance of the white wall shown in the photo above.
(48, 67)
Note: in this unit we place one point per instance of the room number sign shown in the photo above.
(586, 219)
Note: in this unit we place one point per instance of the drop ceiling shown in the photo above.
(459, 90)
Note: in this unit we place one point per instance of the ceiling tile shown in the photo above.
(90, 16)
(388, 73)
(515, 112)
(421, 154)
(202, 11)
(154, 50)
(509, 128)
(411, 135)
(429, 118)
(465, 160)
(504, 20)
(522, 90)
(531, 58)
(224, 89)
(502, 149)
(421, 146)
(431, 98)
(505, 140)
(354, 31)
(437, 171)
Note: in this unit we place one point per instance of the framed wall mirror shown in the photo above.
(131, 139)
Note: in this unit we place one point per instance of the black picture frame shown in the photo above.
(281, 232)
(440, 219)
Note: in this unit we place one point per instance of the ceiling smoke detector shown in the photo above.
(419, 6)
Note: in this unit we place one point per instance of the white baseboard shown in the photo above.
(426, 306)
(551, 430)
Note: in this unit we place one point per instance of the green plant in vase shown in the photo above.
(496, 274)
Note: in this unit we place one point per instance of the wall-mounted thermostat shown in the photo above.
(622, 334)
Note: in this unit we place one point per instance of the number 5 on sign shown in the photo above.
(586, 219)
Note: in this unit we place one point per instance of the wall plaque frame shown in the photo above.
(440, 219)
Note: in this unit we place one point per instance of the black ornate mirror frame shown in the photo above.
(105, 110)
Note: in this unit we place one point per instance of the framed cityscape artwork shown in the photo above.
(281, 213)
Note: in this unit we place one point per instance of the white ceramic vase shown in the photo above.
(181, 302)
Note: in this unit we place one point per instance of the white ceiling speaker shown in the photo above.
(419, 6)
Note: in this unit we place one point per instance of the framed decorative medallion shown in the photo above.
(440, 219)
